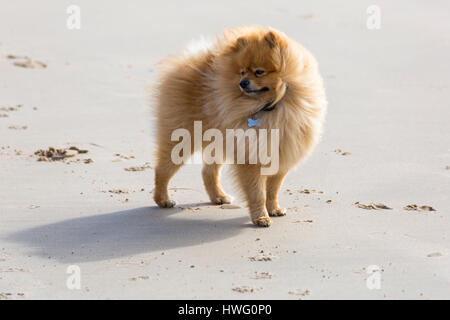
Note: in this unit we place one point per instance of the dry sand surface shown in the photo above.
(76, 144)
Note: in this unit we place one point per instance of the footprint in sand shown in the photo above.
(415, 207)
(372, 206)
(26, 62)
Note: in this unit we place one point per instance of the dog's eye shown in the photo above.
(242, 73)
(259, 72)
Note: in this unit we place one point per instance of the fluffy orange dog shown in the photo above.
(248, 73)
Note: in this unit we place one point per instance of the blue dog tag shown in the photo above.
(252, 122)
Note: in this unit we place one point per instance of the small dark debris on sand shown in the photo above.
(372, 206)
(434, 255)
(26, 62)
(245, 289)
(11, 108)
(139, 168)
(52, 154)
(415, 207)
(303, 221)
(262, 275)
(118, 191)
(121, 157)
(341, 152)
(262, 257)
(18, 127)
(78, 149)
(55, 154)
(85, 161)
(8, 295)
(300, 293)
(309, 191)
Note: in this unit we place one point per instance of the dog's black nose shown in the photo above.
(244, 83)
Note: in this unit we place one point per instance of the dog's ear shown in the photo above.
(272, 39)
(241, 43)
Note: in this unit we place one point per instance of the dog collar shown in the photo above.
(267, 107)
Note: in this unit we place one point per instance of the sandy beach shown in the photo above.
(368, 212)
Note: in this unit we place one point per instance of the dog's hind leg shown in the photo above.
(211, 180)
(164, 171)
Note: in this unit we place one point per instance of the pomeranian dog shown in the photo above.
(248, 77)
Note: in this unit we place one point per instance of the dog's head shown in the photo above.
(256, 63)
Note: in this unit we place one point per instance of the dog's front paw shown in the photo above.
(277, 212)
(224, 199)
(166, 203)
(263, 222)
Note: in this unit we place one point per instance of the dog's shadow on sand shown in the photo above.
(124, 233)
